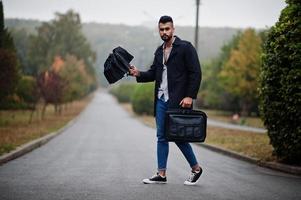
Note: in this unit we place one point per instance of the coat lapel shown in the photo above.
(159, 56)
(173, 52)
(174, 49)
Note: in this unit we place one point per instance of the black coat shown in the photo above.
(183, 73)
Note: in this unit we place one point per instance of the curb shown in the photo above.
(230, 153)
(281, 167)
(30, 146)
(271, 165)
(25, 148)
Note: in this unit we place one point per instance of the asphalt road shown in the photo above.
(107, 153)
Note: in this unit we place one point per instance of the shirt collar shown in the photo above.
(173, 40)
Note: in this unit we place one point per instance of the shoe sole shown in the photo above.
(189, 183)
(153, 182)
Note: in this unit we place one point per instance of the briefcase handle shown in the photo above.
(181, 110)
(186, 111)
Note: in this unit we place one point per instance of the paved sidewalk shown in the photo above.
(236, 127)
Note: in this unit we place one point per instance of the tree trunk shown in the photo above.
(55, 108)
(246, 106)
(31, 114)
(43, 110)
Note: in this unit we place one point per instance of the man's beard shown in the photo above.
(166, 38)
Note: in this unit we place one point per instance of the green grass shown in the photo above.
(247, 143)
(16, 130)
(5, 148)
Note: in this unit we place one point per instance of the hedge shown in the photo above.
(123, 92)
(280, 89)
(143, 99)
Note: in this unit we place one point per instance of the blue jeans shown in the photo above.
(162, 144)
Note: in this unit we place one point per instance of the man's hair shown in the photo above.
(164, 19)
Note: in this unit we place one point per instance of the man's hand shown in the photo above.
(134, 71)
(186, 102)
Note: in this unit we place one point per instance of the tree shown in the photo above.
(73, 72)
(22, 44)
(8, 62)
(240, 73)
(9, 73)
(280, 84)
(212, 93)
(1, 24)
(51, 87)
(28, 92)
(61, 37)
(73, 42)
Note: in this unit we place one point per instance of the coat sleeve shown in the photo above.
(149, 75)
(194, 71)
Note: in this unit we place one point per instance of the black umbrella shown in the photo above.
(117, 64)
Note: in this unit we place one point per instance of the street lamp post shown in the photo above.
(196, 36)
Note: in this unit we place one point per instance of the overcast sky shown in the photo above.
(214, 13)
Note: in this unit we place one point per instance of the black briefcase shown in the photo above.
(185, 125)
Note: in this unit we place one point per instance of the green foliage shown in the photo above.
(22, 44)
(123, 92)
(240, 73)
(60, 37)
(8, 64)
(280, 87)
(12, 102)
(1, 17)
(5, 148)
(212, 94)
(104, 37)
(143, 99)
(6, 40)
(28, 25)
(230, 81)
(73, 72)
(141, 96)
(27, 90)
(9, 73)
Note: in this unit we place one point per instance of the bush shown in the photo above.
(12, 102)
(27, 90)
(143, 99)
(123, 92)
(280, 94)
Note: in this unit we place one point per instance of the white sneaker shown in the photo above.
(155, 179)
(193, 178)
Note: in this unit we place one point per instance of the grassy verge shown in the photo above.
(243, 142)
(16, 130)
(227, 117)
